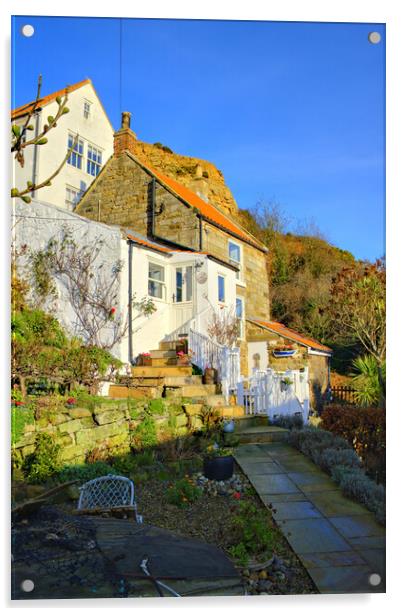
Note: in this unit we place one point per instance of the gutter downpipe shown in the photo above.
(130, 310)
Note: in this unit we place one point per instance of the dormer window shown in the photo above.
(87, 109)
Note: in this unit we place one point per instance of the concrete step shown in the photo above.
(191, 391)
(158, 353)
(152, 371)
(262, 434)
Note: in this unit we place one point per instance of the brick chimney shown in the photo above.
(124, 138)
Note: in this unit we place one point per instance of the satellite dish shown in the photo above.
(201, 277)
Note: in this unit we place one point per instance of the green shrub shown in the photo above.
(183, 493)
(85, 472)
(145, 434)
(20, 417)
(43, 463)
(288, 421)
(156, 406)
(255, 537)
(339, 457)
(356, 484)
(365, 430)
(336, 457)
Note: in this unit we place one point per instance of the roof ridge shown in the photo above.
(200, 204)
(48, 98)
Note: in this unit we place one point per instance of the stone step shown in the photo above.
(191, 391)
(158, 353)
(262, 434)
(159, 362)
(180, 381)
(155, 372)
(121, 391)
(248, 421)
(169, 345)
(212, 400)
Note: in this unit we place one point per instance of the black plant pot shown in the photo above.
(220, 468)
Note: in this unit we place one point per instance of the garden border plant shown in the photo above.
(336, 457)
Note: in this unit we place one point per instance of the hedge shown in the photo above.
(365, 430)
(336, 456)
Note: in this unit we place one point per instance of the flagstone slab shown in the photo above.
(297, 464)
(313, 535)
(354, 579)
(378, 541)
(312, 482)
(274, 499)
(332, 559)
(357, 526)
(273, 484)
(334, 503)
(375, 558)
(298, 510)
(259, 467)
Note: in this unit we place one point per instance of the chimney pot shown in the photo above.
(126, 116)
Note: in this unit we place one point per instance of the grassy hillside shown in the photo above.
(301, 270)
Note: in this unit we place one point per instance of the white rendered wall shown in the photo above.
(96, 130)
(36, 223)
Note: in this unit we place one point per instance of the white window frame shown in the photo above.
(185, 283)
(238, 264)
(242, 318)
(71, 204)
(91, 162)
(87, 109)
(76, 152)
(221, 301)
(162, 283)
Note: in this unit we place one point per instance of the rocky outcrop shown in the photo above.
(199, 175)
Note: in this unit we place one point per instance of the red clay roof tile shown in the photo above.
(45, 100)
(282, 330)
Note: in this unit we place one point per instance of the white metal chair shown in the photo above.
(107, 493)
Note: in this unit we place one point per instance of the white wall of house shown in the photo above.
(36, 223)
(258, 356)
(94, 131)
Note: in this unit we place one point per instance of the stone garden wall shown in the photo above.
(113, 427)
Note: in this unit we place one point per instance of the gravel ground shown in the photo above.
(210, 519)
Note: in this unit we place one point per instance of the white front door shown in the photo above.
(183, 294)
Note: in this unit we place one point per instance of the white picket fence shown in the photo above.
(269, 393)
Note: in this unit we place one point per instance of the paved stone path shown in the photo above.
(338, 540)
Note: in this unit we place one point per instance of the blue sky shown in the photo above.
(290, 112)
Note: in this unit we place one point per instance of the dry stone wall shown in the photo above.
(110, 427)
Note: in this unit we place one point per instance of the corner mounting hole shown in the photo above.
(27, 585)
(27, 30)
(374, 38)
(375, 579)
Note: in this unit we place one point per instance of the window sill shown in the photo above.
(240, 283)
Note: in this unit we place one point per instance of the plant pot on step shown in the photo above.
(229, 426)
(210, 376)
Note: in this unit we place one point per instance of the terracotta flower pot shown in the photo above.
(210, 376)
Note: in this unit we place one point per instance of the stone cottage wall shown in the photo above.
(109, 427)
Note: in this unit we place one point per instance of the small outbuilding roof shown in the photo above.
(290, 334)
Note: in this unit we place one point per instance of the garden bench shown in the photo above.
(110, 494)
